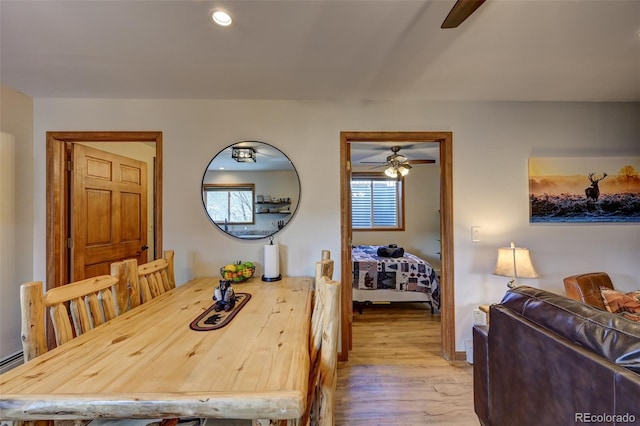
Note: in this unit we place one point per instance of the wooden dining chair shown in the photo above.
(74, 309)
(323, 348)
(324, 268)
(138, 284)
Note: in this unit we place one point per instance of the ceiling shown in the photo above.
(338, 50)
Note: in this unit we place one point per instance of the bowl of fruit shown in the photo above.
(238, 271)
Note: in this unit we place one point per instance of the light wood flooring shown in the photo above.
(396, 374)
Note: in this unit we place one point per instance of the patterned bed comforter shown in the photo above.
(407, 273)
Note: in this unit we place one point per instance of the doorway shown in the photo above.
(59, 208)
(446, 229)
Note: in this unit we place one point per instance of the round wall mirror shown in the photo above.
(250, 190)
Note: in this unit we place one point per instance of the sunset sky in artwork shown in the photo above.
(569, 175)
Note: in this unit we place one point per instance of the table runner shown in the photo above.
(212, 320)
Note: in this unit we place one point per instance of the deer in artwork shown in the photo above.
(593, 192)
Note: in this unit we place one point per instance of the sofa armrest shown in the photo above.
(481, 372)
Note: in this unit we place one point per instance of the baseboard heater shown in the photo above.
(11, 361)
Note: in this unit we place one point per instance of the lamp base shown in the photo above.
(512, 283)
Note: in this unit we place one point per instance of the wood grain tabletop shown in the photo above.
(148, 363)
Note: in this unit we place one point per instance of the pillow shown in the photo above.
(391, 251)
(625, 304)
(631, 317)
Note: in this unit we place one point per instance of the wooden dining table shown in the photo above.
(149, 363)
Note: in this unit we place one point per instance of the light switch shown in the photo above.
(475, 233)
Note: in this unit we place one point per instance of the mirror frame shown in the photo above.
(293, 204)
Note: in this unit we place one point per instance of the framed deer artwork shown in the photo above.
(584, 189)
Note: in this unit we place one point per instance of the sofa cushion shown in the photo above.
(601, 332)
(625, 304)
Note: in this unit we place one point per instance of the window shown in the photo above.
(231, 204)
(377, 202)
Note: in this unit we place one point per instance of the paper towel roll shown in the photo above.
(271, 261)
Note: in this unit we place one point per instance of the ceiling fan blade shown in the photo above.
(421, 161)
(461, 11)
(377, 167)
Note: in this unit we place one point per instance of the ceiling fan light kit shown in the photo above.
(393, 171)
(243, 155)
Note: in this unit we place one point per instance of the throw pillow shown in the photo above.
(632, 317)
(625, 304)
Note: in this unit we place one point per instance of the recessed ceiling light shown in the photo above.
(221, 17)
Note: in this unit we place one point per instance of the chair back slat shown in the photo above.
(94, 310)
(108, 305)
(61, 324)
(152, 282)
(80, 316)
(159, 285)
(166, 281)
(145, 291)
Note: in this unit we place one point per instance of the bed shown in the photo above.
(387, 279)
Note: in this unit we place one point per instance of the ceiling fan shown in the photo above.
(397, 163)
(461, 11)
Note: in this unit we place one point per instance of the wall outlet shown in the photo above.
(479, 317)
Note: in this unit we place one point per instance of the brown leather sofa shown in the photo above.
(586, 287)
(550, 360)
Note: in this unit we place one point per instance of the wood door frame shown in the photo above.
(58, 197)
(447, 305)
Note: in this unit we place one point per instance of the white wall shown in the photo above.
(491, 145)
(16, 254)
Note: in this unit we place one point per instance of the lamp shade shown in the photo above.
(514, 262)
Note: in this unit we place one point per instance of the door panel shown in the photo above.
(131, 226)
(109, 219)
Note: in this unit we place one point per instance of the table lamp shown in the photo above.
(514, 262)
